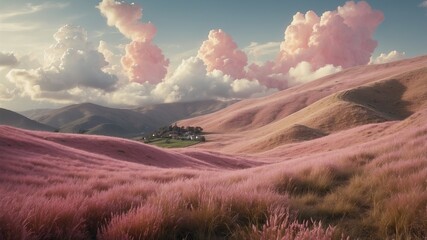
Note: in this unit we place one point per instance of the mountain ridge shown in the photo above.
(10, 118)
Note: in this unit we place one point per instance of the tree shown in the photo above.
(198, 130)
(190, 129)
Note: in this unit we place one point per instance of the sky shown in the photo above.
(125, 54)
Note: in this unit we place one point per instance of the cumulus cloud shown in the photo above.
(105, 50)
(7, 59)
(70, 66)
(132, 94)
(114, 60)
(143, 61)
(126, 18)
(191, 81)
(220, 52)
(67, 37)
(387, 57)
(244, 88)
(267, 75)
(303, 72)
(340, 38)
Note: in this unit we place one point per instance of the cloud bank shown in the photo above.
(313, 46)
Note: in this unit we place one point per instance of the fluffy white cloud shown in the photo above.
(244, 88)
(7, 59)
(71, 65)
(131, 94)
(387, 57)
(303, 73)
(191, 81)
(105, 50)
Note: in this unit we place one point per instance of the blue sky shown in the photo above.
(183, 25)
(27, 29)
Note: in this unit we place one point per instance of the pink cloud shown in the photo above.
(267, 75)
(143, 61)
(220, 52)
(342, 37)
(126, 18)
(339, 39)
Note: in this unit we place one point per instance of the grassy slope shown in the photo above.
(374, 190)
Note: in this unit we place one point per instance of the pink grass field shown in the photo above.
(342, 157)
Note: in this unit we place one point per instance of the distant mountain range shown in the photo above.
(95, 119)
(14, 119)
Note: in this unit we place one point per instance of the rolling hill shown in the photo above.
(11, 118)
(351, 98)
(253, 113)
(103, 150)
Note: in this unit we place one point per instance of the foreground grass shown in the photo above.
(185, 208)
(374, 192)
(172, 143)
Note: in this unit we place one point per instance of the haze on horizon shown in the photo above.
(132, 54)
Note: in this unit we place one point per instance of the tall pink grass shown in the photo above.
(371, 191)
